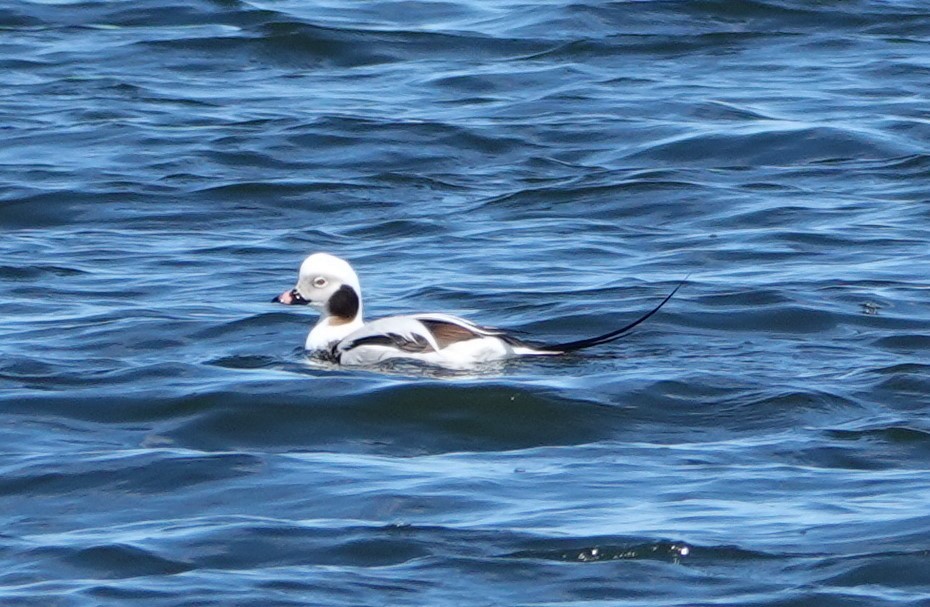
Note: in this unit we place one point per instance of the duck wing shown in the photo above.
(417, 333)
(447, 329)
(405, 333)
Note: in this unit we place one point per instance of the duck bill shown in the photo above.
(290, 298)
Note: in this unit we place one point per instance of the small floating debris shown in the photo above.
(871, 308)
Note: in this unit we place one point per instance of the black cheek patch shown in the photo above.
(344, 303)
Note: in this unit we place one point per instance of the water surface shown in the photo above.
(552, 167)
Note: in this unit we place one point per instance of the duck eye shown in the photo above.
(319, 282)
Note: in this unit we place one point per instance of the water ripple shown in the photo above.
(552, 168)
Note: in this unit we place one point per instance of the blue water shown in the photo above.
(552, 167)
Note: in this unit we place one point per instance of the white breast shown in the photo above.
(326, 333)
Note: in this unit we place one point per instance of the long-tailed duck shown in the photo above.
(330, 285)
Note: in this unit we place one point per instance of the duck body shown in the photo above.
(435, 339)
(330, 285)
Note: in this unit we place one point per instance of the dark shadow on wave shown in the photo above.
(348, 412)
(405, 419)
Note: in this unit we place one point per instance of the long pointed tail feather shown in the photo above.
(573, 346)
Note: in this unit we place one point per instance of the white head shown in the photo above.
(330, 285)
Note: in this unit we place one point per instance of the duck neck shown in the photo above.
(339, 317)
(330, 329)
